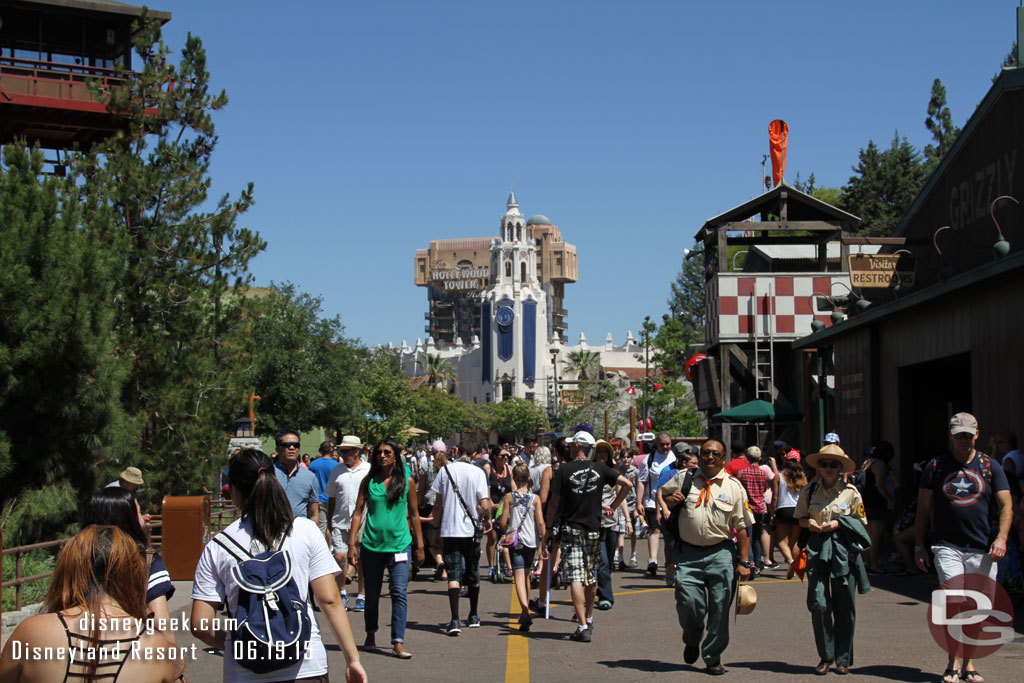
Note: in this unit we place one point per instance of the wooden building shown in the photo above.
(49, 49)
(951, 342)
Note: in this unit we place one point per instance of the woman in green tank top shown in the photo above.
(387, 501)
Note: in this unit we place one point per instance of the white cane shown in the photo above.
(547, 587)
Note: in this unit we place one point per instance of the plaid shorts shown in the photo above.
(580, 555)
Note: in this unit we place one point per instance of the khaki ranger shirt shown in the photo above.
(824, 505)
(710, 517)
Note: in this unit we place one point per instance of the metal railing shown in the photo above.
(222, 514)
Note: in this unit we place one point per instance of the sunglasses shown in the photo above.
(828, 465)
(664, 445)
(288, 444)
(385, 452)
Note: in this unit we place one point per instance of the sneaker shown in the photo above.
(618, 557)
(438, 572)
(360, 605)
(344, 600)
(463, 591)
(604, 604)
(652, 567)
(452, 628)
(473, 621)
(622, 566)
(771, 565)
(590, 626)
(581, 635)
(525, 623)
(535, 606)
(632, 560)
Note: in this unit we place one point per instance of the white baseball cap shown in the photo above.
(584, 439)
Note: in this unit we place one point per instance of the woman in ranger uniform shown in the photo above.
(833, 512)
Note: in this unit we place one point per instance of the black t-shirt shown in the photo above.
(578, 485)
(500, 485)
(962, 496)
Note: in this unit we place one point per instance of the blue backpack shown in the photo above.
(272, 626)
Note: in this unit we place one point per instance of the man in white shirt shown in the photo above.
(646, 489)
(462, 499)
(342, 491)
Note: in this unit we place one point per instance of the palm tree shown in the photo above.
(583, 363)
(439, 371)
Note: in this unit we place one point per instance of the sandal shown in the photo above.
(950, 676)
(971, 676)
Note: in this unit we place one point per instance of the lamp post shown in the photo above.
(647, 363)
(554, 380)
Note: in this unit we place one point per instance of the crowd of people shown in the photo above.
(540, 517)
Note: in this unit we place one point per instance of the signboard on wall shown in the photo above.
(461, 278)
(573, 397)
(881, 270)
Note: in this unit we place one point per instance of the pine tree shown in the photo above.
(884, 184)
(940, 124)
(61, 419)
(687, 298)
(177, 261)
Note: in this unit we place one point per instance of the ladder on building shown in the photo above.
(764, 357)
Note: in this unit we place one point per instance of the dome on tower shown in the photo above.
(539, 219)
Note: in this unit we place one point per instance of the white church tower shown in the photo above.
(514, 314)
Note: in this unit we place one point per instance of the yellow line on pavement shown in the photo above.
(517, 660)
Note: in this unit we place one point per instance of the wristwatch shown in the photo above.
(748, 564)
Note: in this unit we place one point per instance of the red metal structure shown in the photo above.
(48, 50)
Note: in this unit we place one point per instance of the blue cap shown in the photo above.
(584, 427)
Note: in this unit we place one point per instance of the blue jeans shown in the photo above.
(374, 564)
(609, 543)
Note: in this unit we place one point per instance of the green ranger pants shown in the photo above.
(833, 615)
(704, 581)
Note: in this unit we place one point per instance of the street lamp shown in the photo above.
(554, 379)
(647, 362)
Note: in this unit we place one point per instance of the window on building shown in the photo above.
(529, 396)
(508, 269)
(558, 260)
(522, 271)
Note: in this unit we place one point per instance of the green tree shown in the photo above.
(884, 184)
(176, 259)
(1009, 61)
(686, 299)
(384, 390)
(584, 364)
(60, 375)
(438, 412)
(515, 417)
(302, 366)
(940, 123)
(439, 371)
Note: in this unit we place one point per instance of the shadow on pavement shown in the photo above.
(653, 666)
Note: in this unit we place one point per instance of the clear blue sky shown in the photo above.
(370, 128)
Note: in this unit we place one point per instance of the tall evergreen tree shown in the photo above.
(60, 375)
(884, 184)
(686, 299)
(940, 124)
(177, 261)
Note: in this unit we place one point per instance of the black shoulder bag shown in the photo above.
(478, 524)
(673, 518)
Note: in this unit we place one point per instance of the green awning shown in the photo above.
(758, 411)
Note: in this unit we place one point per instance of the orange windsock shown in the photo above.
(778, 132)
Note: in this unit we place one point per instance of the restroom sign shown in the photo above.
(881, 270)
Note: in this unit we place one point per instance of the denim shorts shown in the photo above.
(522, 557)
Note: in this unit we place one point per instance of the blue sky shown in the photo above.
(370, 128)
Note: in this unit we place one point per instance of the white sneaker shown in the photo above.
(632, 560)
(618, 556)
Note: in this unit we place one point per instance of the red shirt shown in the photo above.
(755, 482)
(734, 467)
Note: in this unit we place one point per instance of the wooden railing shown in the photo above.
(37, 78)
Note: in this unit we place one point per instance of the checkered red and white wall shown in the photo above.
(740, 307)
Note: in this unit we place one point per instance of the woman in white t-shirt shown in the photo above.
(267, 522)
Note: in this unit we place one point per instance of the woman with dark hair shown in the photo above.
(878, 503)
(97, 586)
(118, 507)
(792, 480)
(387, 501)
(499, 480)
(267, 523)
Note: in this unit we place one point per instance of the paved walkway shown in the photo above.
(639, 640)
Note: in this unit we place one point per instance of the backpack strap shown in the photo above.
(233, 547)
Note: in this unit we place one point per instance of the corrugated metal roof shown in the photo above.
(808, 252)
